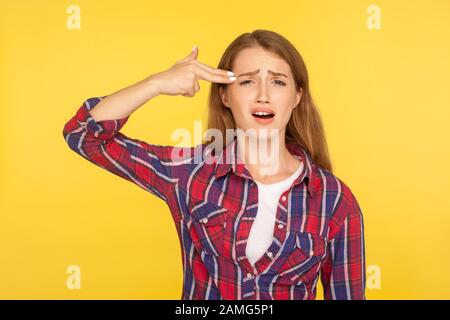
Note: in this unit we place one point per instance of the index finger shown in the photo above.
(221, 77)
(215, 70)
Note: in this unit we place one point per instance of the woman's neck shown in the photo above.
(267, 160)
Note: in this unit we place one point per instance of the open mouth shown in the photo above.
(263, 115)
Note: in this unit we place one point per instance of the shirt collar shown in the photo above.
(227, 160)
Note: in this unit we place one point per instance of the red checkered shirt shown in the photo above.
(319, 225)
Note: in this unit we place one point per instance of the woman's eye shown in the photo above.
(281, 82)
(246, 81)
(278, 82)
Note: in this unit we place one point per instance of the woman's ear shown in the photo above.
(299, 96)
(223, 96)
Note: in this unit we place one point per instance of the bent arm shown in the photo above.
(122, 103)
(99, 140)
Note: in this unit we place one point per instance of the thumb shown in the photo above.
(194, 53)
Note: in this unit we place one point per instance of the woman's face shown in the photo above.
(258, 89)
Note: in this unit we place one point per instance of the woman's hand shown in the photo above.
(182, 78)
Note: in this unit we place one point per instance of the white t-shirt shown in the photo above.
(261, 232)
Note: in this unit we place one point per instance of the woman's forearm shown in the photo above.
(124, 102)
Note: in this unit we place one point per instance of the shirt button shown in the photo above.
(205, 220)
(280, 226)
(270, 254)
(283, 198)
(249, 275)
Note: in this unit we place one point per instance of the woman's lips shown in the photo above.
(262, 109)
(264, 119)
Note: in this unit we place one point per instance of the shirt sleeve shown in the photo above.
(343, 274)
(152, 167)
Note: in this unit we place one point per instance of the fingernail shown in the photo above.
(230, 73)
(194, 47)
(232, 78)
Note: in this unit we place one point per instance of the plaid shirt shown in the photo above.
(318, 230)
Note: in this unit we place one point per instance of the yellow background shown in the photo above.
(383, 95)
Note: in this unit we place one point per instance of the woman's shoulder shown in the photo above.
(332, 183)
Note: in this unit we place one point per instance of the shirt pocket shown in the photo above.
(303, 262)
(207, 228)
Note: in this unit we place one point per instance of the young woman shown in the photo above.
(246, 232)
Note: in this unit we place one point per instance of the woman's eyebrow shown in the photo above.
(251, 73)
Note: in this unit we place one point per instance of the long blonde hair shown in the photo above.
(305, 125)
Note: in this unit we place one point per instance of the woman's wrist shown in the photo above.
(153, 89)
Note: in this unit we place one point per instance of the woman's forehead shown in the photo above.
(257, 71)
(249, 63)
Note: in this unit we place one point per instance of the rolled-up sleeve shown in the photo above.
(343, 274)
(150, 166)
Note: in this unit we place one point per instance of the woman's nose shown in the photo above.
(262, 92)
